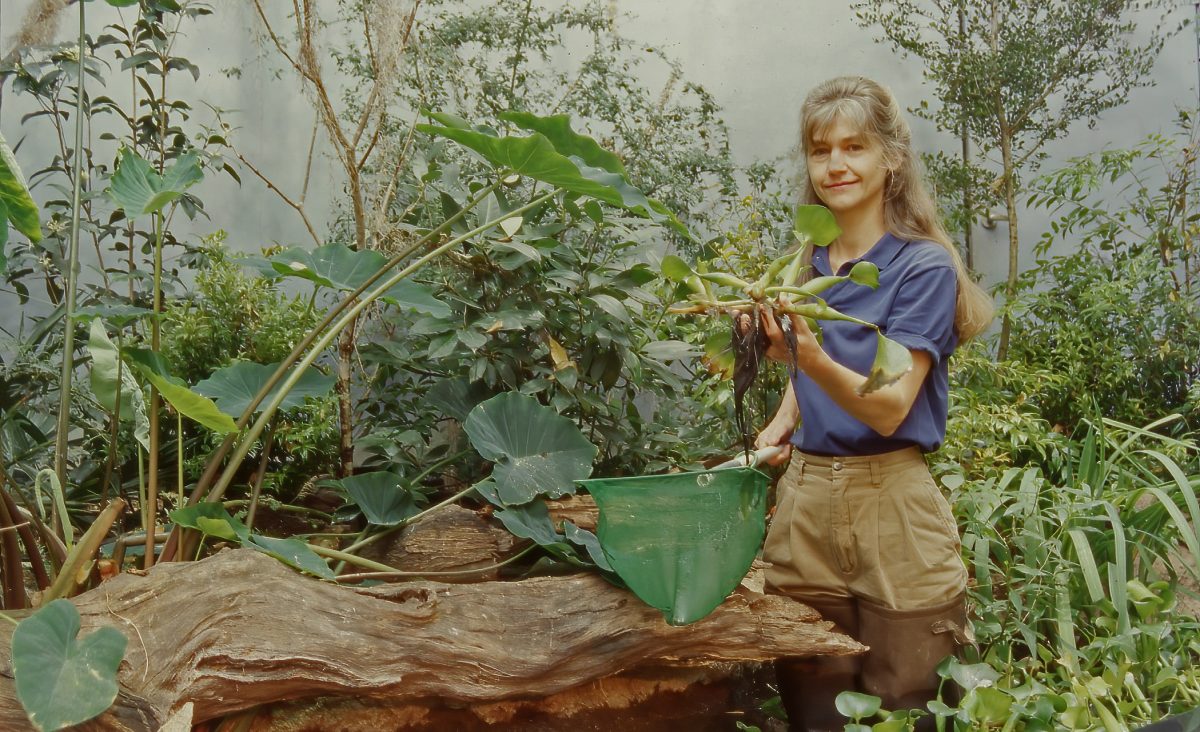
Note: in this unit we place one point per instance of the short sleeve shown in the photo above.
(922, 314)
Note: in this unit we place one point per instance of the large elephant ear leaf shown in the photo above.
(535, 450)
(61, 679)
(233, 388)
(557, 129)
(892, 361)
(384, 497)
(342, 268)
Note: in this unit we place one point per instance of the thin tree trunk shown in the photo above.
(1010, 202)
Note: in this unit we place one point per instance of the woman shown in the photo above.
(861, 532)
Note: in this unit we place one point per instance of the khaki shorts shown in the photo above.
(873, 527)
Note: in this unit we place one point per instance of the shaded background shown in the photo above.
(757, 59)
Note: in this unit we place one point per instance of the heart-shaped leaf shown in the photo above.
(815, 225)
(61, 679)
(234, 387)
(384, 497)
(104, 373)
(589, 541)
(892, 361)
(536, 450)
(138, 189)
(342, 268)
(192, 405)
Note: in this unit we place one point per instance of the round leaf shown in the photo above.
(63, 680)
(534, 448)
(865, 273)
(815, 225)
(857, 706)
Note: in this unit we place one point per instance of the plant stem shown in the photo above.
(256, 488)
(214, 463)
(68, 365)
(451, 573)
(407, 522)
(83, 552)
(150, 507)
(323, 342)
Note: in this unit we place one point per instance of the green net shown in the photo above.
(682, 541)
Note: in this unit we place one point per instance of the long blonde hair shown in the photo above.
(909, 211)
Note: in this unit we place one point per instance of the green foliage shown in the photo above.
(234, 387)
(995, 416)
(1120, 342)
(535, 450)
(231, 316)
(509, 57)
(1074, 583)
(61, 679)
(213, 520)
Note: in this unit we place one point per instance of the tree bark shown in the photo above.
(240, 629)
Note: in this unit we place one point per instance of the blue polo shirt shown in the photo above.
(914, 305)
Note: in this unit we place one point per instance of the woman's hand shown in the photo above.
(777, 432)
(778, 350)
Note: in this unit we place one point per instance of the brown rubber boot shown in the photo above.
(809, 686)
(906, 648)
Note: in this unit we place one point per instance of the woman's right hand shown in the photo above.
(776, 433)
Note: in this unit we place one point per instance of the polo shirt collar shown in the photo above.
(881, 254)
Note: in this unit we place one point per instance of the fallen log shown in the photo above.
(239, 629)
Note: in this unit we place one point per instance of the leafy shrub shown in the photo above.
(1113, 330)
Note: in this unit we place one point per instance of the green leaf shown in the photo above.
(536, 450)
(212, 519)
(121, 3)
(892, 361)
(865, 273)
(292, 552)
(536, 157)
(16, 205)
(857, 706)
(192, 405)
(61, 679)
(456, 397)
(530, 521)
(342, 268)
(988, 705)
(971, 675)
(815, 225)
(557, 129)
(675, 269)
(384, 497)
(589, 541)
(234, 387)
(138, 189)
(105, 366)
